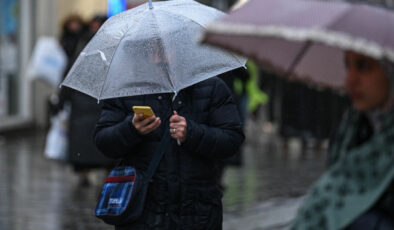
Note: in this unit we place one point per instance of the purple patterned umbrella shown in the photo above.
(306, 37)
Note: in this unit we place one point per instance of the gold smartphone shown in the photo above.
(146, 110)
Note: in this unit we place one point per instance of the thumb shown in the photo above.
(175, 113)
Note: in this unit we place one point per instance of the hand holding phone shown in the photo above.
(144, 119)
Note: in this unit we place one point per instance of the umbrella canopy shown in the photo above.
(305, 37)
(150, 50)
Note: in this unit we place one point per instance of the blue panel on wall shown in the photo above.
(115, 7)
(8, 16)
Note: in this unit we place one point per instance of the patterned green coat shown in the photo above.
(360, 175)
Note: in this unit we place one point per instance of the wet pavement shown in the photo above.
(40, 194)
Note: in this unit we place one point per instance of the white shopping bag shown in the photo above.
(56, 146)
(48, 61)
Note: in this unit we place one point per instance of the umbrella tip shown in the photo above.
(150, 4)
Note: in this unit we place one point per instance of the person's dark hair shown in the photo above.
(96, 22)
(69, 19)
(99, 18)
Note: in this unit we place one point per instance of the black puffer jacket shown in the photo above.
(184, 193)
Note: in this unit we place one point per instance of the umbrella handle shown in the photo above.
(150, 4)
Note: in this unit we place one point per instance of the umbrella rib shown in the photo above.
(203, 26)
(237, 58)
(337, 20)
(182, 15)
(297, 59)
(110, 62)
(164, 53)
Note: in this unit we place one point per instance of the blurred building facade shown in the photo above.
(15, 45)
(23, 100)
(22, 22)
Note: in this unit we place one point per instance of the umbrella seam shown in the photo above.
(116, 49)
(199, 39)
(169, 12)
(300, 54)
(343, 15)
(164, 52)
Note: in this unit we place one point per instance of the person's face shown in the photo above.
(366, 82)
(95, 26)
(74, 26)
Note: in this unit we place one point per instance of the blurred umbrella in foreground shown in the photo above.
(150, 49)
(305, 39)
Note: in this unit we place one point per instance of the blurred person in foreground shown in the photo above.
(357, 191)
(184, 193)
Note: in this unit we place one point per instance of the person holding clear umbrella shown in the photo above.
(184, 193)
(205, 128)
(150, 56)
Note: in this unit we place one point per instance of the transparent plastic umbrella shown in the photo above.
(150, 49)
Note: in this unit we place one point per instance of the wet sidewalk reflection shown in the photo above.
(40, 194)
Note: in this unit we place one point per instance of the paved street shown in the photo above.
(274, 214)
(40, 194)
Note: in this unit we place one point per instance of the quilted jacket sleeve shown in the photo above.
(115, 135)
(222, 136)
